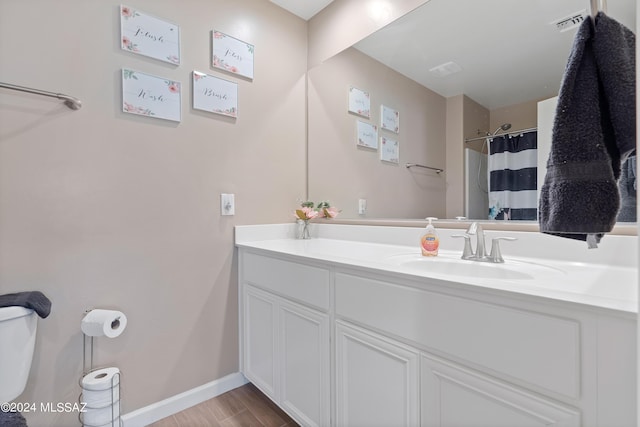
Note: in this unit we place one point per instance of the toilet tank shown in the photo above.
(17, 341)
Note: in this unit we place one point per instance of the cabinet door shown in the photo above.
(376, 380)
(456, 396)
(259, 340)
(304, 364)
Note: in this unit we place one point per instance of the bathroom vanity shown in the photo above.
(355, 328)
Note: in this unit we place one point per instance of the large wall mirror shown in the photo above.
(454, 71)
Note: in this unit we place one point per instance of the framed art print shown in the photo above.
(151, 96)
(215, 95)
(359, 102)
(149, 36)
(389, 150)
(232, 55)
(367, 135)
(389, 119)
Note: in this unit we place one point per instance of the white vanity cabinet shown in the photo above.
(377, 380)
(494, 360)
(260, 329)
(304, 364)
(453, 395)
(285, 335)
(345, 346)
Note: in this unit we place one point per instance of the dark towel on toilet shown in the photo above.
(12, 419)
(32, 299)
(593, 132)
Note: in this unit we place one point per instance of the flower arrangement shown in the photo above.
(307, 211)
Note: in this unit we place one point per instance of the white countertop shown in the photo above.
(607, 279)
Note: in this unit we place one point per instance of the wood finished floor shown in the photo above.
(244, 406)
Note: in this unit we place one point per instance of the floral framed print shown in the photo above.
(149, 36)
(150, 96)
(389, 119)
(367, 135)
(232, 55)
(359, 102)
(215, 95)
(389, 150)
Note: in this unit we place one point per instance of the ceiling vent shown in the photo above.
(571, 21)
(446, 69)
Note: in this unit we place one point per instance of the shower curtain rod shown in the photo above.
(515, 132)
(69, 101)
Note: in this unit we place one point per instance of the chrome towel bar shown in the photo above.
(410, 165)
(69, 101)
(597, 6)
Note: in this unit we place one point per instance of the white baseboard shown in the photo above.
(159, 410)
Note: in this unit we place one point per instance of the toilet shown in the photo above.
(17, 341)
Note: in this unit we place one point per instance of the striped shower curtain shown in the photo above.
(512, 170)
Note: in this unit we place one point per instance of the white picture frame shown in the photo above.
(147, 95)
(143, 34)
(389, 150)
(359, 102)
(215, 95)
(389, 119)
(232, 55)
(367, 135)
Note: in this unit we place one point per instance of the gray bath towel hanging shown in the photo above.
(593, 132)
(628, 186)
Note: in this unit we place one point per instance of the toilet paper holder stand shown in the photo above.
(85, 339)
(116, 420)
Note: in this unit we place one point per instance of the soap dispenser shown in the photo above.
(430, 242)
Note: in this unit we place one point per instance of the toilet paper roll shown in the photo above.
(100, 399)
(101, 387)
(104, 323)
(102, 417)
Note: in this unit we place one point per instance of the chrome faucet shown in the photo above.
(481, 251)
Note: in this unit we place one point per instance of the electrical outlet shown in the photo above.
(227, 204)
(362, 206)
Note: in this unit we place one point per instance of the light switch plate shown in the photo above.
(227, 204)
(362, 206)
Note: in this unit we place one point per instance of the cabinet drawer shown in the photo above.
(300, 282)
(539, 349)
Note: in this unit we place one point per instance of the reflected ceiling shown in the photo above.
(508, 51)
(305, 9)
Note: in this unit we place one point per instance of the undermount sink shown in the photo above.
(510, 270)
